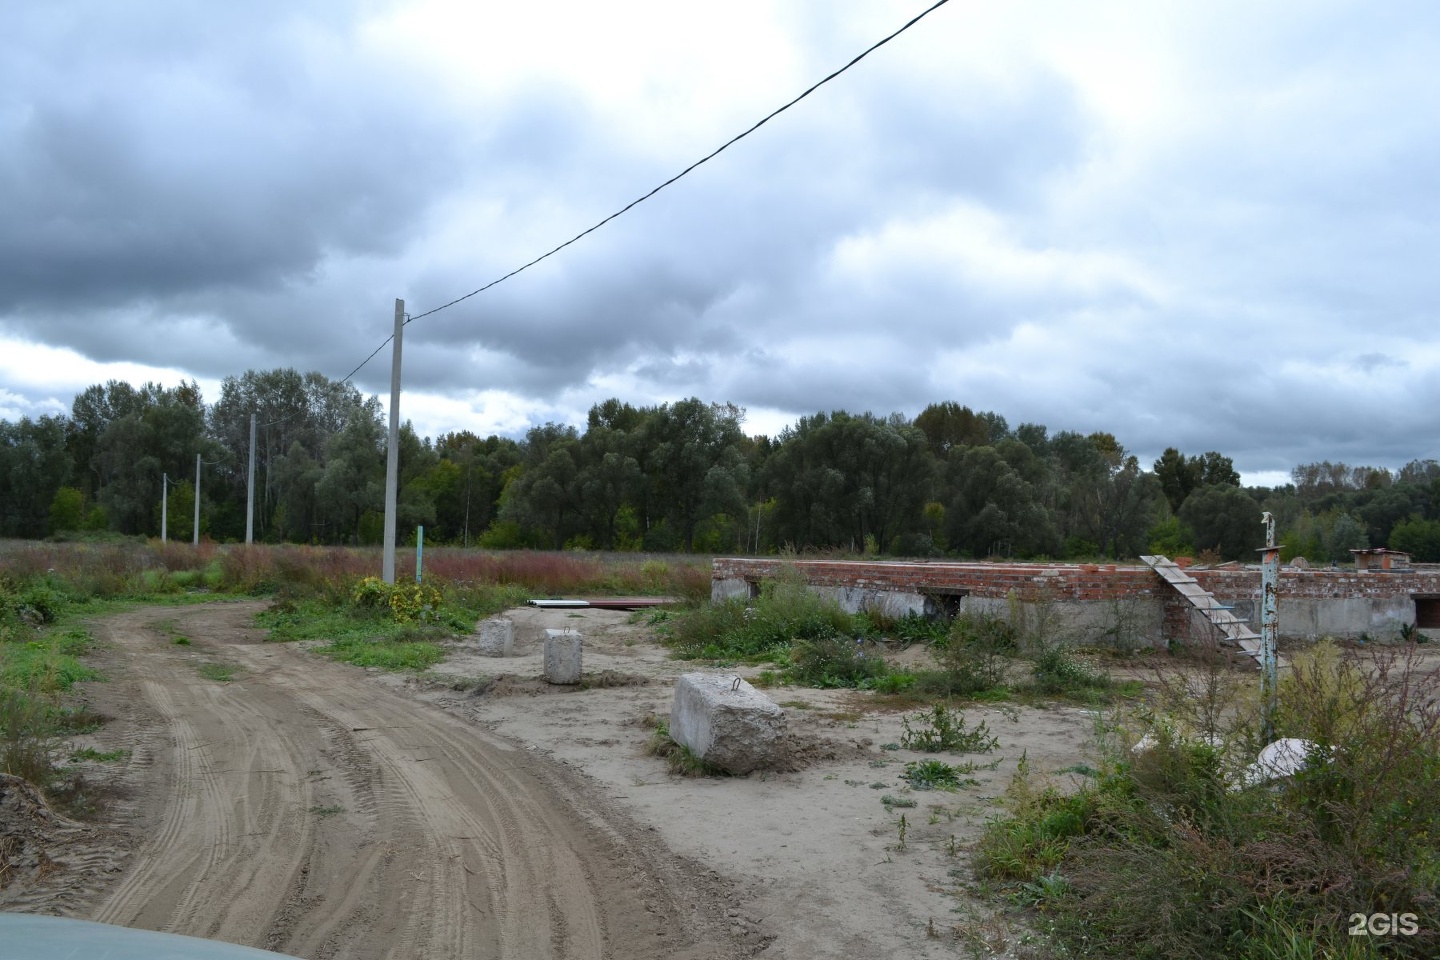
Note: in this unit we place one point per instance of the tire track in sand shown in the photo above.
(305, 808)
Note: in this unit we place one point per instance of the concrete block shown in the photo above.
(1283, 758)
(562, 656)
(726, 722)
(497, 637)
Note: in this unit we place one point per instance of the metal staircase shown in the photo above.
(1232, 628)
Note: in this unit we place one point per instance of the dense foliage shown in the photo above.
(681, 476)
(1176, 847)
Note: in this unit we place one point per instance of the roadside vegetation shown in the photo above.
(40, 660)
(327, 595)
(1172, 849)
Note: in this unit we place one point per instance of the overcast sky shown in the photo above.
(1210, 225)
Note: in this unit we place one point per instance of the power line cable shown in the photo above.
(710, 156)
(639, 200)
(346, 378)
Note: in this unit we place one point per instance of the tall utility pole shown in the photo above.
(392, 452)
(1269, 624)
(250, 488)
(196, 540)
(164, 504)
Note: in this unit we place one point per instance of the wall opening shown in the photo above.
(943, 604)
(1427, 612)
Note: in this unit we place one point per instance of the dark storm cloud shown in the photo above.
(1234, 255)
(740, 251)
(231, 155)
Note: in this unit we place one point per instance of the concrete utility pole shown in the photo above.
(164, 503)
(196, 540)
(250, 488)
(392, 452)
(1269, 624)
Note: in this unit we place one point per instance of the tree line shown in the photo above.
(680, 476)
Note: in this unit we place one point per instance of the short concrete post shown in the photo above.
(562, 656)
(497, 637)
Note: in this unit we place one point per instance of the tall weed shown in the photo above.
(1166, 852)
(786, 612)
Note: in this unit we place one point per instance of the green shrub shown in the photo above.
(785, 612)
(415, 602)
(936, 775)
(1056, 671)
(1168, 852)
(835, 661)
(974, 655)
(942, 729)
(30, 740)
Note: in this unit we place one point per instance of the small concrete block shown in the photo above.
(497, 637)
(726, 722)
(562, 656)
(1283, 758)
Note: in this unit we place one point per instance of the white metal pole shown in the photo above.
(164, 504)
(196, 540)
(392, 452)
(250, 488)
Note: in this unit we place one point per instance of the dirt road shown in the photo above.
(300, 807)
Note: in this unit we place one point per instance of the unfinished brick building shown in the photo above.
(1313, 603)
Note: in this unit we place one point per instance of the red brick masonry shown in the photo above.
(1083, 581)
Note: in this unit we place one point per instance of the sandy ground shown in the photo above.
(326, 811)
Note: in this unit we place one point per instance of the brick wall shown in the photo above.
(994, 580)
(1312, 602)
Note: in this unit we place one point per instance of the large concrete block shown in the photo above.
(562, 656)
(726, 722)
(497, 637)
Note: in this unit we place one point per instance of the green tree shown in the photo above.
(1419, 538)
(1347, 533)
(994, 509)
(155, 431)
(695, 463)
(353, 481)
(545, 499)
(466, 482)
(1101, 496)
(948, 425)
(293, 412)
(1180, 475)
(34, 465)
(67, 510)
(841, 479)
(91, 413)
(1226, 519)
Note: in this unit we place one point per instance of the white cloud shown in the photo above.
(39, 378)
